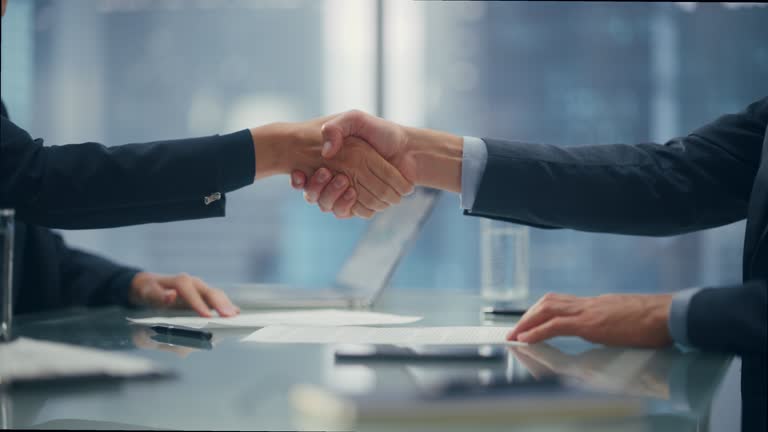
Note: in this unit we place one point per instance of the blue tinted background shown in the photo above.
(119, 71)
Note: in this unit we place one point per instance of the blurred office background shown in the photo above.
(119, 71)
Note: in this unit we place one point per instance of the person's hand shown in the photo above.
(179, 291)
(613, 319)
(329, 192)
(389, 139)
(424, 157)
(374, 182)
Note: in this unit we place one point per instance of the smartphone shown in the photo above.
(435, 353)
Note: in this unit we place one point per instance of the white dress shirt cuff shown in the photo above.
(678, 316)
(473, 160)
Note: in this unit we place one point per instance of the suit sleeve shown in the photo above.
(90, 185)
(690, 183)
(730, 319)
(90, 280)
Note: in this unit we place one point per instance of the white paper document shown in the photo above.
(312, 317)
(383, 335)
(29, 359)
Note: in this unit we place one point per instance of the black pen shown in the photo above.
(176, 330)
(495, 310)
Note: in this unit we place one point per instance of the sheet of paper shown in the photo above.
(383, 335)
(311, 317)
(28, 359)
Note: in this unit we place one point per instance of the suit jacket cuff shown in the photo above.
(120, 288)
(236, 162)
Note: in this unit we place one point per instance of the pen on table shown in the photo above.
(176, 330)
(496, 310)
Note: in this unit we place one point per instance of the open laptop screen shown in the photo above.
(373, 261)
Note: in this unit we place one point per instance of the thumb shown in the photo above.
(333, 137)
(343, 125)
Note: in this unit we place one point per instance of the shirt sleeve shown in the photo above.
(678, 316)
(473, 161)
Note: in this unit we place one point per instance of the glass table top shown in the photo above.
(228, 384)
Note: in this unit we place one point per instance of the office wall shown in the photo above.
(123, 71)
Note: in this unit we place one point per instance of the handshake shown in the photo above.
(356, 164)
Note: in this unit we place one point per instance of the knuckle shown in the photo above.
(546, 308)
(354, 114)
(365, 214)
(549, 297)
(217, 295)
(374, 204)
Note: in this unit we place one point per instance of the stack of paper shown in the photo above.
(29, 359)
(383, 335)
(318, 317)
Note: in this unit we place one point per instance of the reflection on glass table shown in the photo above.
(662, 375)
(674, 389)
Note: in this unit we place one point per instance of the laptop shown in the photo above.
(364, 274)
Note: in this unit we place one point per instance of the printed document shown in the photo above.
(481, 335)
(311, 317)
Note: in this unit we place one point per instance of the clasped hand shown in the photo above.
(357, 180)
(365, 169)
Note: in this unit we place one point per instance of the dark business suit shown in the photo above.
(716, 175)
(93, 186)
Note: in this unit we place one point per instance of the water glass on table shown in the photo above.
(504, 268)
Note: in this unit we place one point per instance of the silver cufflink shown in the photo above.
(212, 197)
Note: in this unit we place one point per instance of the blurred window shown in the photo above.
(120, 71)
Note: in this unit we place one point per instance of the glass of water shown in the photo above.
(504, 261)
(6, 273)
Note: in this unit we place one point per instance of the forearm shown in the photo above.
(282, 147)
(438, 157)
(91, 185)
(91, 280)
(693, 182)
(272, 149)
(644, 189)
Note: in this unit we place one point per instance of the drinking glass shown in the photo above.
(504, 261)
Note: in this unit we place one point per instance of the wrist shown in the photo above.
(659, 314)
(437, 157)
(134, 291)
(269, 141)
(283, 147)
